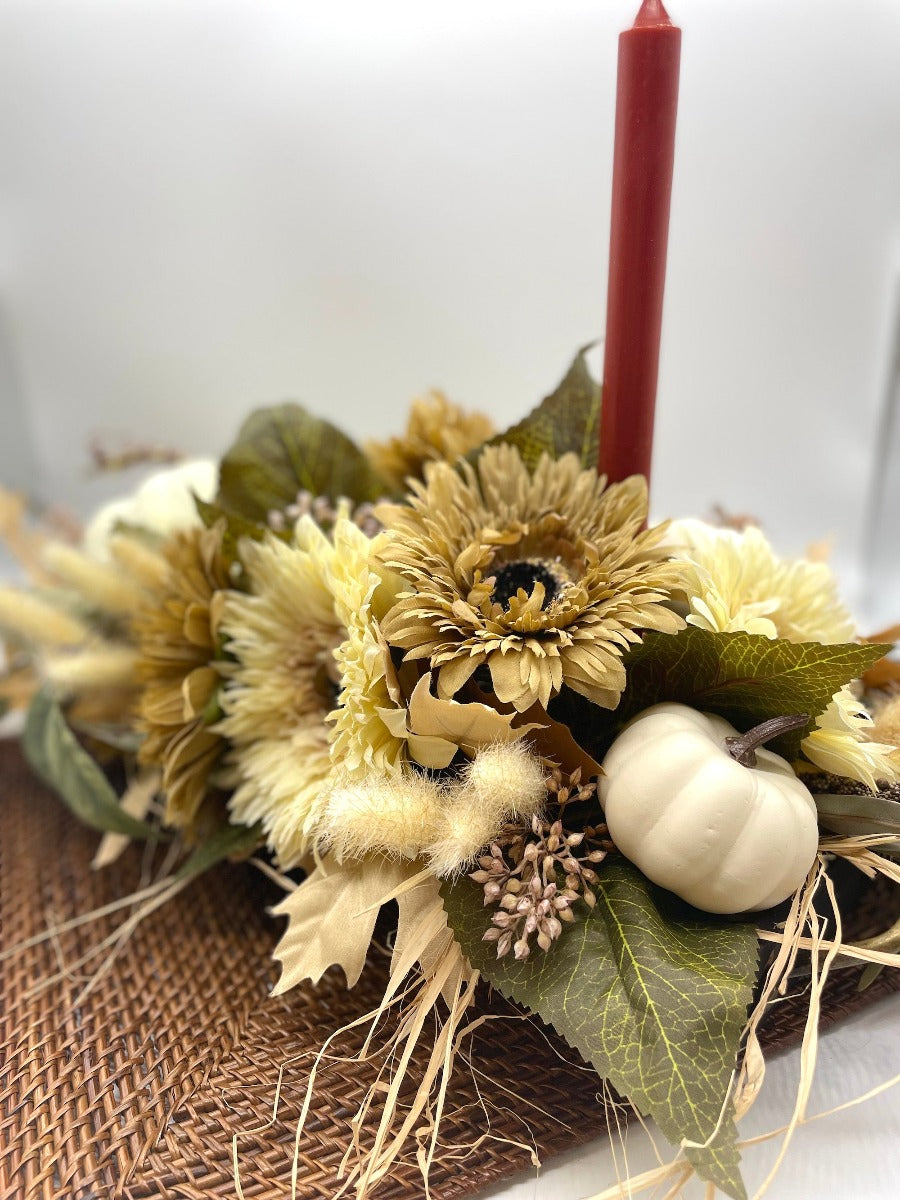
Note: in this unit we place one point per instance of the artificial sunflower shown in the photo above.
(177, 632)
(542, 578)
(437, 431)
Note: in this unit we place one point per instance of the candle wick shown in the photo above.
(652, 13)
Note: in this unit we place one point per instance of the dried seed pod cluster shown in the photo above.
(533, 876)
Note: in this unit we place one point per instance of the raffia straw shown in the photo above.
(810, 1044)
(86, 918)
(117, 940)
(858, 851)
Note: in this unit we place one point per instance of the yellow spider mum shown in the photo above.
(544, 578)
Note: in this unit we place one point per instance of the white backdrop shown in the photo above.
(210, 205)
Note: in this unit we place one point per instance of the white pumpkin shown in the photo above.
(725, 837)
(163, 504)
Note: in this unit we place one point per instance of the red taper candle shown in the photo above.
(646, 104)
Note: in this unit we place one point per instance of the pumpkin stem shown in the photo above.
(743, 748)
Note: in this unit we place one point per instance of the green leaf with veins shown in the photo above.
(745, 678)
(566, 420)
(54, 754)
(282, 450)
(656, 1002)
(853, 816)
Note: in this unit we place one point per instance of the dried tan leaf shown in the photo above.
(554, 741)
(331, 917)
(135, 802)
(436, 729)
(883, 673)
(891, 634)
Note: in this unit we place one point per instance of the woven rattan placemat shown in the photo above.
(137, 1092)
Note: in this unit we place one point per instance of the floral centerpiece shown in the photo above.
(603, 765)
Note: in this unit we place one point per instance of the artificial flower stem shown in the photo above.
(743, 749)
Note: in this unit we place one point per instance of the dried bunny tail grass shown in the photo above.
(393, 815)
(105, 586)
(502, 783)
(25, 544)
(140, 561)
(39, 622)
(105, 665)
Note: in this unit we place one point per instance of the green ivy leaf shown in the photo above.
(282, 450)
(54, 754)
(745, 678)
(566, 420)
(656, 1003)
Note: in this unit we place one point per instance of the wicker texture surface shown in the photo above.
(137, 1092)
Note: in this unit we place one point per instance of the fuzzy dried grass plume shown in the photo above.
(447, 821)
(392, 815)
(106, 586)
(38, 622)
(501, 784)
(542, 578)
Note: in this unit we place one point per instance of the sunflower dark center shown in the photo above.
(523, 574)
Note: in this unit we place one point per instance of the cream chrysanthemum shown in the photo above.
(743, 585)
(544, 578)
(841, 744)
(282, 686)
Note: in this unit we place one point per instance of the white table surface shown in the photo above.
(848, 1156)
